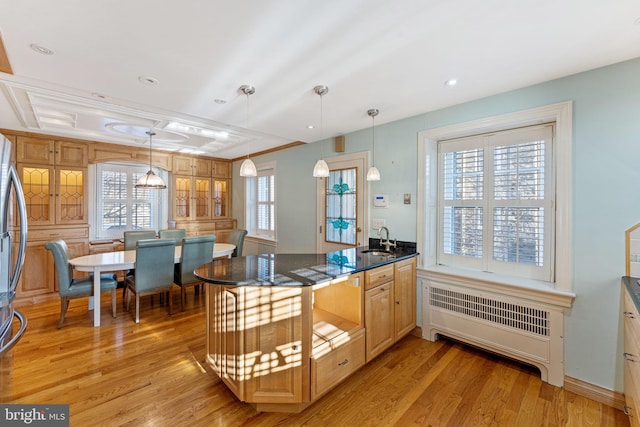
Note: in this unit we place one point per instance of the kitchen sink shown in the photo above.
(378, 252)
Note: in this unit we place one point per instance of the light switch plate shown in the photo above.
(378, 224)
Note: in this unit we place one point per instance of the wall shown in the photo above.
(606, 176)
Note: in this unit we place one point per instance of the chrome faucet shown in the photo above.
(387, 244)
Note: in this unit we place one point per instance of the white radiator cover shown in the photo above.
(516, 328)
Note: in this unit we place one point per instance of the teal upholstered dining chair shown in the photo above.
(236, 237)
(70, 288)
(132, 237)
(195, 252)
(176, 234)
(153, 271)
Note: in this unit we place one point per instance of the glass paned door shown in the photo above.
(341, 204)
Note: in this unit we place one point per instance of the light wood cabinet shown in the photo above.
(390, 305)
(193, 166)
(631, 359)
(49, 152)
(281, 348)
(220, 169)
(192, 198)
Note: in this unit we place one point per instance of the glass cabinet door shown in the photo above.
(202, 198)
(37, 184)
(70, 196)
(182, 197)
(220, 201)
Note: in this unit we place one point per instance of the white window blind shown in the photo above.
(121, 206)
(495, 202)
(260, 203)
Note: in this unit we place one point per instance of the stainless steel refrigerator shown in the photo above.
(12, 203)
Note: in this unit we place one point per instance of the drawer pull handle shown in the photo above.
(345, 362)
(627, 410)
(628, 356)
(629, 315)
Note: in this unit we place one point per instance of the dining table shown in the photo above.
(124, 260)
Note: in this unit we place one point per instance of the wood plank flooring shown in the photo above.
(154, 374)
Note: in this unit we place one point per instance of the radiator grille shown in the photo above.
(516, 316)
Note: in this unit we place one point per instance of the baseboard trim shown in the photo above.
(599, 394)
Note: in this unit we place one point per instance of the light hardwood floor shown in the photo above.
(154, 374)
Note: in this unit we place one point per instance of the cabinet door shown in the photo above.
(202, 167)
(182, 165)
(38, 273)
(272, 329)
(379, 320)
(404, 288)
(220, 198)
(220, 169)
(201, 198)
(71, 154)
(37, 184)
(232, 351)
(181, 197)
(35, 150)
(70, 196)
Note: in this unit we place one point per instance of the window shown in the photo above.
(121, 206)
(261, 202)
(495, 200)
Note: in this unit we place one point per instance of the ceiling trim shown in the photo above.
(5, 65)
(271, 150)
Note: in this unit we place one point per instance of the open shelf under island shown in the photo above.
(284, 329)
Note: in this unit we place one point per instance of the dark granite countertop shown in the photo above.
(633, 286)
(296, 269)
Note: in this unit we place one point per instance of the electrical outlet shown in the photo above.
(378, 224)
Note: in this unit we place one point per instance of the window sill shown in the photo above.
(534, 290)
(261, 239)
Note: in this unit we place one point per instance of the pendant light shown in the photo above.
(150, 179)
(373, 174)
(321, 169)
(248, 168)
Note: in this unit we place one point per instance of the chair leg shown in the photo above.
(113, 301)
(64, 305)
(183, 297)
(137, 307)
(128, 298)
(170, 296)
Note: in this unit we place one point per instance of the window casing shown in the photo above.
(495, 202)
(121, 206)
(427, 200)
(261, 202)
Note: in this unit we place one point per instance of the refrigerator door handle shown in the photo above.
(22, 211)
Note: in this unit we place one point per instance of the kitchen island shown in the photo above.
(284, 329)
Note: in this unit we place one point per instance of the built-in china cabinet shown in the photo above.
(53, 172)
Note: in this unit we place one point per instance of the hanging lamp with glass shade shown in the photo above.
(150, 179)
(321, 169)
(373, 174)
(248, 168)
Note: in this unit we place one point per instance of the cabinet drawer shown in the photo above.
(378, 276)
(333, 367)
(59, 233)
(225, 225)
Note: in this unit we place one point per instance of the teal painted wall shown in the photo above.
(606, 196)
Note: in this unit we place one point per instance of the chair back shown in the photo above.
(154, 264)
(60, 253)
(131, 237)
(236, 237)
(195, 252)
(177, 234)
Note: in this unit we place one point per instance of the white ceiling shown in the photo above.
(394, 55)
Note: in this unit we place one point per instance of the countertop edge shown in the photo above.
(634, 292)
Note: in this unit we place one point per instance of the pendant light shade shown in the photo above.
(373, 174)
(321, 169)
(150, 179)
(248, 168)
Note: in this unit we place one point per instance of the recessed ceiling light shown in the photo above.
(41, 49)
(219, 101)
(451, 82)
(148, 80)
(309, 126)
(99, 95)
